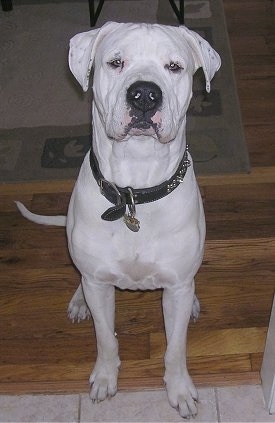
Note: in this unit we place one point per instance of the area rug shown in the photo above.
(45, 117)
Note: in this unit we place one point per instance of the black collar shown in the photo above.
(132, 196)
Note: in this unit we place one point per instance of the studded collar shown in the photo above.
(122, 196)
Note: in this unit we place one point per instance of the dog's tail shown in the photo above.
(42, 220)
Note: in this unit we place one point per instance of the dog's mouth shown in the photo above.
(142, 125)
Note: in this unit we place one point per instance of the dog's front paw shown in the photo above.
(103, 380)
(182, 395)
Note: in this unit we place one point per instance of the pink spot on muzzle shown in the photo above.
(156, 118)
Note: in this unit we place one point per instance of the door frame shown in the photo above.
(268, 365)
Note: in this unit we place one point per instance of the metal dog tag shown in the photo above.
(131, 222)
(129, 219)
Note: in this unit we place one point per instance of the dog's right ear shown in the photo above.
(82, 52)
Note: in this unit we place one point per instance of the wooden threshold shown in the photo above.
(156, 383)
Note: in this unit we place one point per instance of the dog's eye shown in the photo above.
(116, 63)
(174, 67)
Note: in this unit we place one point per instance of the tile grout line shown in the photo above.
(217, 405)
(79, 409)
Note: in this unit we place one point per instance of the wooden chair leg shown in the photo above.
(6, 5)
(179, 12)
(94, 12)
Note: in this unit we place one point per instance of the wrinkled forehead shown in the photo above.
(144, 40)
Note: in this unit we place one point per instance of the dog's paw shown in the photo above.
(195, 313)
(182, 395)
(103, 380)
(78, 310)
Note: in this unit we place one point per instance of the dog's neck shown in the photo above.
(141, 161)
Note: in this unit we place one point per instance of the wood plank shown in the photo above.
(226, 341)
(248, 18)
(266, 135)
(23, 304)
(51, 327)
(16, 220)
(261, 192)
(218, 364)
(247, 211)
(234, 300)
(33, 259)
(252, 44)
(19, 190)
(39, 373)
(256, 361)
(55, 279)
(241, 228)
(248, 91)
(7, 201)
(254, 67)
(36, 349)
(38, 237)
(52, 203)
(258, 175)
(243, 254)
(57, 387)
(222, 342)
(42, 350)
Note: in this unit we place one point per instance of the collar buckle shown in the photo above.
(103, 181)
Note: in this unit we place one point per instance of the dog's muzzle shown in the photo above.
(144, 99)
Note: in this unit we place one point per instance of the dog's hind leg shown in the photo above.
(78, 309)
(195, 313)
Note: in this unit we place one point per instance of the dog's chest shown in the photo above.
(159, 255)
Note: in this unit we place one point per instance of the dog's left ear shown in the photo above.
(204, 55)
(82, 52)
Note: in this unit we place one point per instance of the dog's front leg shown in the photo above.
(177, 308)
(101, 301)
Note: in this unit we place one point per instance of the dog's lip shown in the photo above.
(139, 131)
(142, 124)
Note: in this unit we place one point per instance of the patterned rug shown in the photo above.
(45, 117)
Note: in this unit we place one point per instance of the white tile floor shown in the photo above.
(235, 404)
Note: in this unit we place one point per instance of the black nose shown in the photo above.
(144, 95)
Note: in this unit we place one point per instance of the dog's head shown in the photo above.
(142, 75)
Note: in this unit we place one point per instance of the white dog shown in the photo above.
(136, 219)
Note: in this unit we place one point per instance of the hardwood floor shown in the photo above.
(42, 351)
